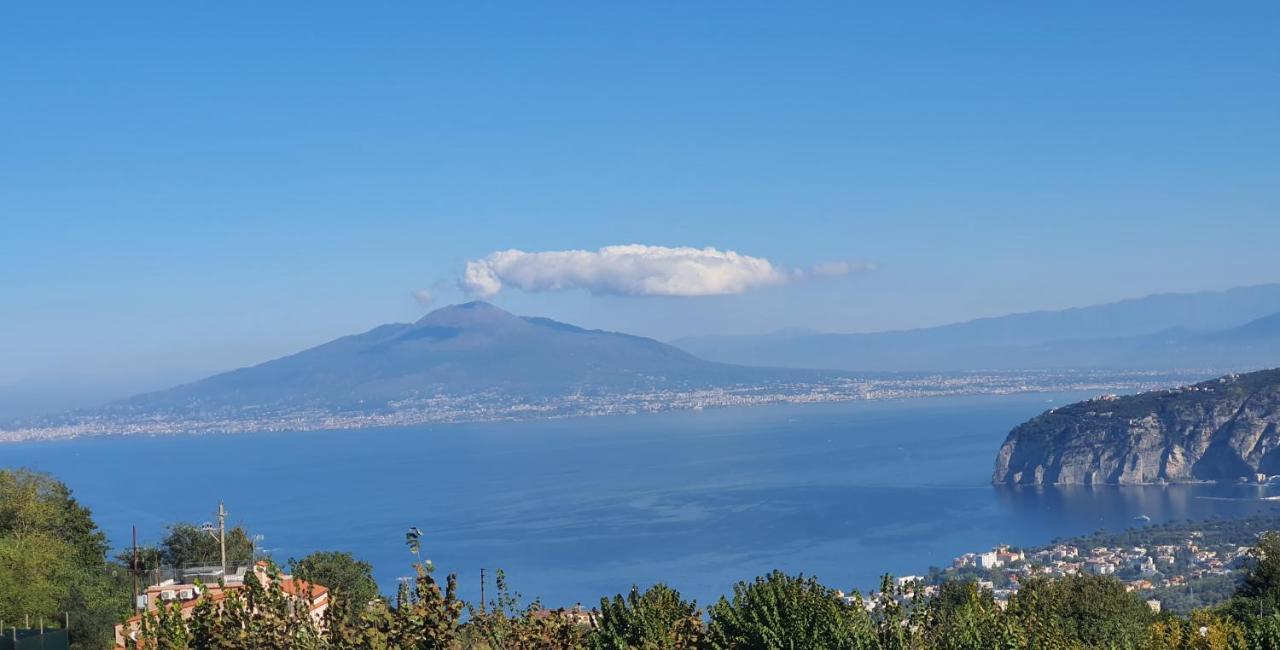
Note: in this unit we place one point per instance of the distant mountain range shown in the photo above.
(1234, 329)
(475, 361)
(469, 349)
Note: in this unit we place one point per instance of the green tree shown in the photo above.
(1258, 595)
(965, 617)
(188, 545)
(1204, 630)
(1080, 610)
(657, 619)
(782, 612)
(53, 560)
(1262, 632)
(349, 580)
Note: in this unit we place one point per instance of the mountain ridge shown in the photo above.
(456, 352)
(1030, 340)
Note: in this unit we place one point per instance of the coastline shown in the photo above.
(443, 409)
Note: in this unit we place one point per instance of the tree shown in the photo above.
(53, 560)
(1259, 593)
(1203, 631)
(147, 558)
(188, 545)
(963, 616)
(657, 619)
(1080, 610)
(780, 612)
(349, 580)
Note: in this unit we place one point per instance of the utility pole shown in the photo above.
(222, 536)
(481, 590)
(133, 569)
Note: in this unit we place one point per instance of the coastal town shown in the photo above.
(121, 420)
(1173, 567)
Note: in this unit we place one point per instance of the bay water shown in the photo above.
(576, 509)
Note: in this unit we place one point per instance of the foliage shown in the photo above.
(423, 616)
(657, 619)
(350, 581)
(148, 558)
(53, 560)
(1259, 592)
(1080, 610)
(188, 545)
(255, 616)
(964, 617)
(505, 623)
(776, 611)
(1211, 532)
(1197, 593)
(264, 616)
(780, 611)
(1203, 631)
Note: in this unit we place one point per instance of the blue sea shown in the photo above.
(576, 509)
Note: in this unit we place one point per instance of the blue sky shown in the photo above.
(188, 187)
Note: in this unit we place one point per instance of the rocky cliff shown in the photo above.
(1225, 429)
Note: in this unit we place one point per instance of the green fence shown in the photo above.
(49, 639)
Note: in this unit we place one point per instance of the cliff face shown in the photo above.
(1219, 430)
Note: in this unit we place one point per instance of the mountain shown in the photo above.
(1225, 429)
(461, 350)
(1156, 332)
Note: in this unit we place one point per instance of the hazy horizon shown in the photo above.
(51, 392)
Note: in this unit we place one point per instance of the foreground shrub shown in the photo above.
(964, 617)
(1080, 610)
(504, 624)
(656, 620)
(778, 612)
(1204, 631)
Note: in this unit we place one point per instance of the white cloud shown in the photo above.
(632, 270)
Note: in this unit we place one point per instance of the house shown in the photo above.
(1138, 585)
(1005, 555)
(187, 595)
(1147, 567)
(1100, 567)
(908, 581)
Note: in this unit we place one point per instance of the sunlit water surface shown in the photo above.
(576, 509)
